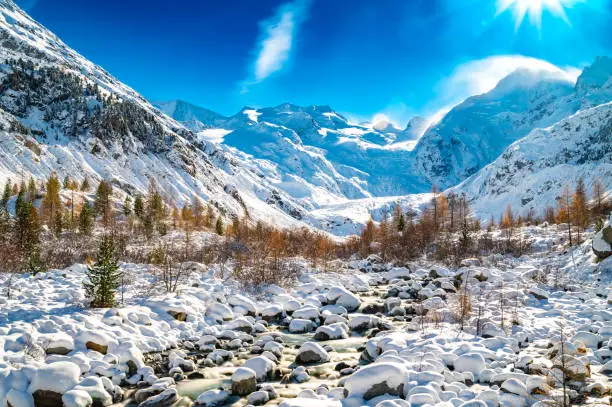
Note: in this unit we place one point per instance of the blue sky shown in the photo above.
(362, 57)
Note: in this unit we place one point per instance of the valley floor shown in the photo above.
(367, 333)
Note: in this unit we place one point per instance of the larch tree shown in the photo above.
(51, 204)
(219, 226)
(579, 210)
(598, 197)
(564, 213)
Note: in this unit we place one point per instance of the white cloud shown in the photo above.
(277, 38)
(480, 76)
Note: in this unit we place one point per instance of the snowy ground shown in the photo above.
(357, 336)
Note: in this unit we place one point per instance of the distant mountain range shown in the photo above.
(296, 165)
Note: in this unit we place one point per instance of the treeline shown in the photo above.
(53, 224)
(445, 229)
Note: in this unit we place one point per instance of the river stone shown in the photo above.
(258, 398)
(97, 347)
(164, 399)
(244, 381)
(311, 352)
(47, 398)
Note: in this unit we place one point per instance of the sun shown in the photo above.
(534, 8)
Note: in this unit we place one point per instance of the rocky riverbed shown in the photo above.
(495, 331)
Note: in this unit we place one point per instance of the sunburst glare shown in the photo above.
(534, 9)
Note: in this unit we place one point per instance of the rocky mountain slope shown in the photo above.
(60, 112)
(531, 173)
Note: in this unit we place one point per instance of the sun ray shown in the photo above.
(533, 9)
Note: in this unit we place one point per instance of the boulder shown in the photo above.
(602, 241)
(337, 330)
(311, 352)
(244, 381)
(212, 398)
(377, 379)
(164, 399)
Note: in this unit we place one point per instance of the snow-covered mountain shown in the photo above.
(191, 116)
(60, 112)
(292, 165)
(475, 132)
(531, 173)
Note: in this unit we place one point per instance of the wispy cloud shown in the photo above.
(277, 37)
(480, 76)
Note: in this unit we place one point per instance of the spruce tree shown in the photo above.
(127, 206)
(138, 207)
(26, 231)
(103, 277)
(32, 190)
(85, 221)
(6, 194)
(102, 202)
(85, 184)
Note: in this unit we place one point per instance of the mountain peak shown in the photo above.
(594, 75)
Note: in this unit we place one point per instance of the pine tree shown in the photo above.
(58, 223)
(103, 276)
(219, 226)
(27, 229)
(34, 265)
(31, 190)
(6, 194)
(85, 184)
(127, 206)
(138, 207)
(102, 202)
(85, 220)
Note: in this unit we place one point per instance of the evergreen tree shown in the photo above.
(85, 184)
(58, 223)
(85, 221)
(127, 206)
(102, 202)
(103, 276)
(27, 229)
(219, 226)
(34, 265)
(31, 190)
(6, 194)
(138, 207)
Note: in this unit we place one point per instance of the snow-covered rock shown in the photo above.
(311, 352)
(377, 379)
